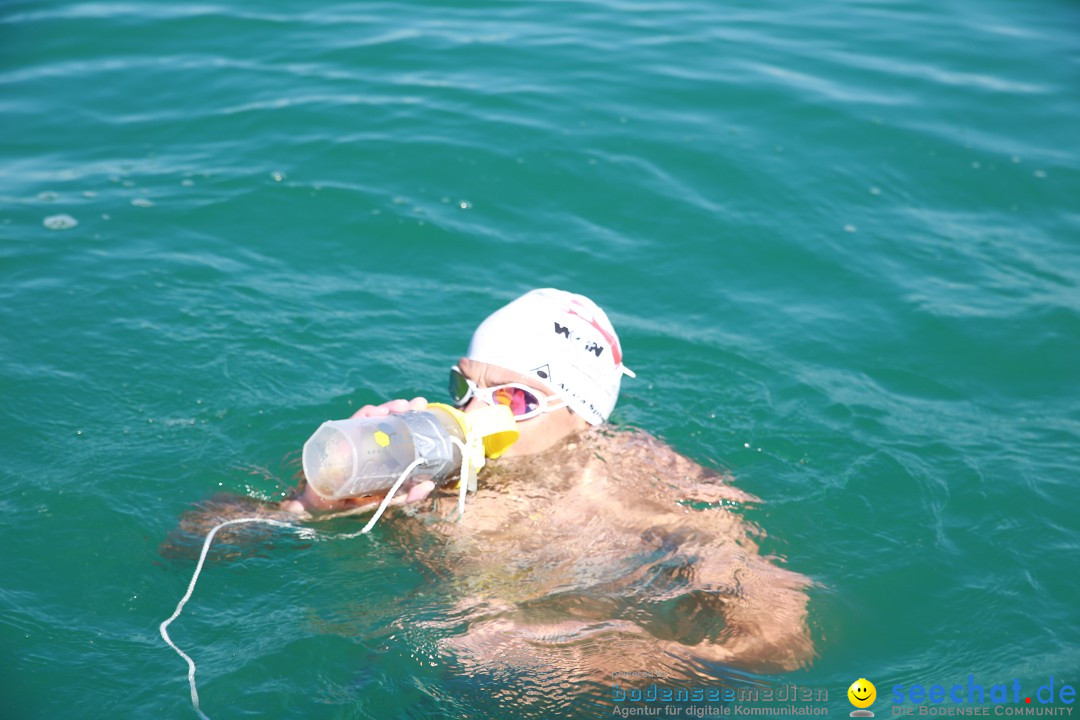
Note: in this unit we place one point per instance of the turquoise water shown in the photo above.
(839, 241)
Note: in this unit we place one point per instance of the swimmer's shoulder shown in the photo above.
(631, 454)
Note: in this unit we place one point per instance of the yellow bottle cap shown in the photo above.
(495, 424)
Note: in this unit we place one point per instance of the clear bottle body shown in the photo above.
(365, 456)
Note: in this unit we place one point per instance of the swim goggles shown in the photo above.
(523, 401)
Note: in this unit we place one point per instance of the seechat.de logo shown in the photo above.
(971, 692)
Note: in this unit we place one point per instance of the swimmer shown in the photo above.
(551, 356)
(589, 549)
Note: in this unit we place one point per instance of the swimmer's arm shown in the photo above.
(309, 503)
(689, 479)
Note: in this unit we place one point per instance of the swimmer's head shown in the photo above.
(562, 340)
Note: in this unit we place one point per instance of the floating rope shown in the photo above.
(191, 589)
(202, 560)
(468, 478)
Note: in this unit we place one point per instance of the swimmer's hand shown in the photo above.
(310, 503)
(400, 405)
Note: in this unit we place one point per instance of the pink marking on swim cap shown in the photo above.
(616, 351)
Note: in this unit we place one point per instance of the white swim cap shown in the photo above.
(563, 340)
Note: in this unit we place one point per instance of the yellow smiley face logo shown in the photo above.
(862, 693)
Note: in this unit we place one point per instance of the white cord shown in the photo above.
(463, 476)
(389, 496)
(238, 521)
(191, 589)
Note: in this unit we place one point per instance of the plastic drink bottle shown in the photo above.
(365, 456)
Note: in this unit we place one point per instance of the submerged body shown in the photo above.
(611, 551)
